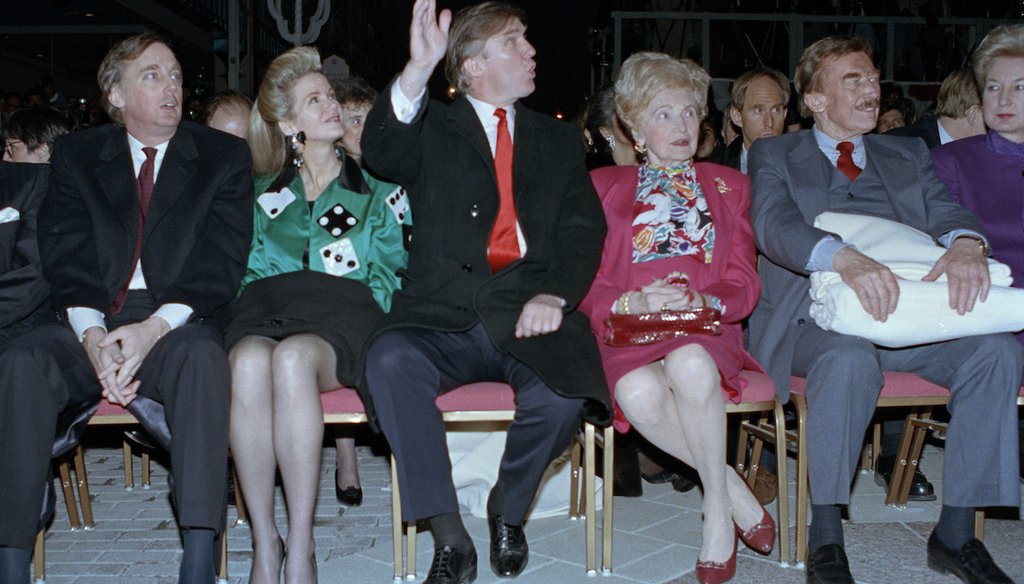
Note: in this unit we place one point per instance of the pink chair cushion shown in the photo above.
(343, 400)
(757, 387)
(897, 384)
(478, 397)
(110, 409)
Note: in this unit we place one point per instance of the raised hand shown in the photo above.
(428, 42)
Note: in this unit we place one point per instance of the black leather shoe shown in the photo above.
(509, 550)
(451, 566)
(349, 496)
(971, 563)
(828, 565)
(920, 488)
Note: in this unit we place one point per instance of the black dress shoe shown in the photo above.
(452, 566)
(349, 496)
(971, 563)
(828, 565)
(920, 488)
(509, 550)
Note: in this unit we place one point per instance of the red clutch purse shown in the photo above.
(625, 330)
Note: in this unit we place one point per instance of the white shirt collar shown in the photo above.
(485, 112)
(138, 156)
(944, 137)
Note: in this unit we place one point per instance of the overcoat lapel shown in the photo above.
(117, 176)
(812, 177)
(465, 123)
(175, 171)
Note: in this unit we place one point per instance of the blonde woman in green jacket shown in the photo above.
(328, 240)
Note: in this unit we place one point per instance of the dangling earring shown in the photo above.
(296, 141)
(610, 138)
(640, 148)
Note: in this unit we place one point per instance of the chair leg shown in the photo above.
(979, 524)
(222, 574)
(782, 475)
(892, 497)
(243, 514)
(396, 524)
(574, 480)
(590, 503)
(755, 461)
(741, 445)
(146, 483)
(82, 478)
(801, 480)
(607, 505)
(39, 557)
(129, 471)
(69, 495)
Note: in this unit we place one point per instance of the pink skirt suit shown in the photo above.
(730, 276)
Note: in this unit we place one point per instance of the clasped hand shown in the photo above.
(660, 295)
(117, 355)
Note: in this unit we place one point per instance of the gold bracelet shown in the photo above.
(622, 304)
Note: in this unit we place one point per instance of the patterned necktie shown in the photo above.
(845, 163)
(144, 186)
(503, 245)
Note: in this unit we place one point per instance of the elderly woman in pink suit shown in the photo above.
(671, 220)
(986, 173)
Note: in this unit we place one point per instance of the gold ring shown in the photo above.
(664, 306)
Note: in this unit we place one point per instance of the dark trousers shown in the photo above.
(47, 370)
(407, 368)
(844, 378)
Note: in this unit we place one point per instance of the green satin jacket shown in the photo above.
(359, 227)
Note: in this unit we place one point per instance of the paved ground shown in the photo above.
(656, 537)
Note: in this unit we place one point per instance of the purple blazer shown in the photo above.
(986, 175)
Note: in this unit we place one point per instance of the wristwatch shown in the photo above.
(985, 251)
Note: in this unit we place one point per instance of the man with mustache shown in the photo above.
(143, 236)
(837, 167)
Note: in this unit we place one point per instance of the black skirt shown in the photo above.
(341, 311)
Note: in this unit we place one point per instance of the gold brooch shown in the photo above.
(721, 185)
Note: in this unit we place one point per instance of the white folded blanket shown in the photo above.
(923, 314)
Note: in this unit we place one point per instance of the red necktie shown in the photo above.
(503, 246)
(845, 163)
(144, 184)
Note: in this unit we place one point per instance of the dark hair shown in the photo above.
(469, 32)
(112, 67)
(353, 90)
(36, 127)
(808, 69)
(600, 113)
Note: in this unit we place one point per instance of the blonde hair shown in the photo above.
(958, 93)
(645, 74)
(808, 69)
(470, 30)
(1002, 41)
(113, 65)
(273, 104)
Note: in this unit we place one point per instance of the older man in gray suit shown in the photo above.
(836, 167)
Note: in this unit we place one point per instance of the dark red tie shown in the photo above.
(845, 163)
(503, 246)
(144, 185)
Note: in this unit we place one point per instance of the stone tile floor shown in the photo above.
(656, 537)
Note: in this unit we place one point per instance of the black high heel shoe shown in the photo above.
(350, 496)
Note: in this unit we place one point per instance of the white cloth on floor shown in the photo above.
(475, 459)
(922, 314)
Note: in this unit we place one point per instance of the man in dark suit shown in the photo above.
(836, 167)
(957, 112)
(480, 303)
(143, 237)
(760, 99)
(22, 287)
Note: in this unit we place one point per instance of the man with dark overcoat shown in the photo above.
(143, 237)
(507, 240)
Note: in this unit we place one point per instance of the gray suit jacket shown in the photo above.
(790, 180)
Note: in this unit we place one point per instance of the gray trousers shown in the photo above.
(844, 378)
(407, 368)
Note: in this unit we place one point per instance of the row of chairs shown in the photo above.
(762, 422)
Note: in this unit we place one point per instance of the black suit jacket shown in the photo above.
(926, 128)
(198, 226)
(22, 287)
(444, 161)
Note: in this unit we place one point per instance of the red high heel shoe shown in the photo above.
(717, 572)
(760, 537)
